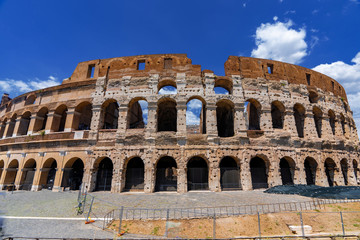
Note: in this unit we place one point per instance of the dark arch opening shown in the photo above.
(134, 178)
(11, 127)
(277, 114)
(27, 177)
(137, 114)
(225, 119)
(332, 121)
(41, 119)
(110, 114)
(59, 119)
(318, 120)
(229, 174)
(167, 116)
(197, 174)
(24, 123)
(30, 99)
(83, 118)
(313, 97)
(73, 175)
(3, 126)
(104, 175)
(48, 173)
(330, 171)
(2, 164)
(223, 86)
(252, 114)
(344, 170)
(287, 172)
(166, 174)
(258, 171)
(356, 169)
(11, 173)
(299, 115)
(310, 170)
(342, 120)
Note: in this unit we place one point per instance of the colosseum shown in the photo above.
(112, 127)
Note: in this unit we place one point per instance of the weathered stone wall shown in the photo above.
(53, 135)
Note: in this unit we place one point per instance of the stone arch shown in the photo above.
(134, 174)
(28, 173)
(83, 116)
(224, 83)
(310, 166)
(330, 167)
(259, 169)
(166, 115)
(166, 174)
(30, 99)
(167, 86)
(313, 96)
(41, 119)
(110, 114)
(59, 119)
(197, 173)
(299, 115)
(252, 114)
(225, 118)
(11, 172)
(277, 114)
(135, 116)
(318, 114)
(229, 173)
(11, 127)
(344, 169)
(342, 121)
(196, 107)
(73, 173)
(24, 123)
(287, 170)
(104, 174)
(332, 120)
(48, 173)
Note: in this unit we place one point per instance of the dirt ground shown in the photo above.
(326, 220)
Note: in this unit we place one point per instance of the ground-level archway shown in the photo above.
(258, 169)
(166, 174)
(104, 175)
(287, 167)
(48, 173)
(344, 170)
(2, 164)
(310, 166)
(330, 171)
(11, 172)
(229, 174)
(134, 177)
(73, 174)
(28, 173)
(197, 174)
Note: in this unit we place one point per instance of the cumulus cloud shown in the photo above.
(193, 112)
(168, 90)
(15, 87)
(192, 118)
(279, 41)
(348, 75)
(145, 110)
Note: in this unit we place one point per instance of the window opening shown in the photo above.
(195, 117)
(167, 90)
(91, 70)
(308, 76)
(270, 68)
(141, 65)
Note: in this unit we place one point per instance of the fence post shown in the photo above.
(214, 226)
(342, 223)
(87, 218)
(302, 225)
(120, 218)
(84, 202)
(166, 224)
(259, 225)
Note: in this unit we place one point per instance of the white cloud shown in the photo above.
(195, 103)
(192, 118)
(290, 12)
(168, 90)
(279, 41)
(348, 75)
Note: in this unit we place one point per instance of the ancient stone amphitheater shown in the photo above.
(112, 128)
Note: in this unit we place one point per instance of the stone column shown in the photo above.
(326, 132)
(181, 118)
(211, 123)
(245, 174)
(96, 122)
(149, 177)
(274, 176)
(32, 126)
(265, 120)
(2, 129)
(351, 176)
(122, 121)
(72, 120)
(309, 126)
(214, 176)
(299, 175)
(17, 126)
(239, 120)
(2, 178)
(7, 126)
(347, 129)
(321, 179)
(182, 179)
(36, 186)
(151, 127)
(338, 128)
(52, 117)
(289, 123)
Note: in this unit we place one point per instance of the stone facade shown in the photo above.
(278, 124)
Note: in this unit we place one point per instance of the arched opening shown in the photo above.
(356, 169)
(344, 170)
(30, 99)
(73, 174)
(110, 113)
(252, 112)
(83, 115)
(10, 174)
(134, 178)
(330, 171)
(342, 120)
(225, 118)
(229, 174)
(3, 126)
(11, 127)
(310, 166)
(221, 90)
(332, 120)
(299, 115)
(195, 116)
(27, 176)
(318, 120)
(2, 165)
(24, 123)
(167, 87)
(166, 174)
(197, 174)
(167, 115)
(223, 86)
(104, 175)
(48, 173)
(277, 114)
(59, 119)
(259, 176)
(137, 114)
(313, 97)
(287, 167)
(41, 119)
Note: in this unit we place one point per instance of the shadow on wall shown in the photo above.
(337, 192)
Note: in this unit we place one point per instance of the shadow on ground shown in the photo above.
(337, 192)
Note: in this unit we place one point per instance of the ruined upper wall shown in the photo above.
(248, 67)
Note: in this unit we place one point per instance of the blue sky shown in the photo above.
(42, 41)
